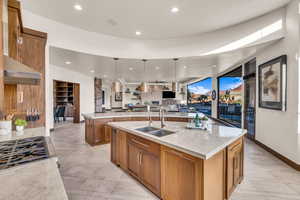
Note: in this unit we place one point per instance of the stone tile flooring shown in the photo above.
(88, 173)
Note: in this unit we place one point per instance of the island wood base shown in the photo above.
(174, 175)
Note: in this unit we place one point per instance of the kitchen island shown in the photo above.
(186, 164)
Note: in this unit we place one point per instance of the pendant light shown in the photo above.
(175, 83)
(144, 86)
(116, 86)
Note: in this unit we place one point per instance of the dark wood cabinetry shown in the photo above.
(235, 165)
(144, 162)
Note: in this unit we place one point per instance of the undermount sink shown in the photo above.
(147, 129)
(155, 131)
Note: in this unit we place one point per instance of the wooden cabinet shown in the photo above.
(107, 133)
(177, 119)
(95, 131)
(28, 47)
(122, 149)
(113, 146)
(119, 148)
(181, 175)
(235, 165)
(144, 162)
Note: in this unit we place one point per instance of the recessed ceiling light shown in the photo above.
(92, 71)
(184, 66)
(157, 67)
(138, 33)
(104, 75)
(77, 7)
(68, 62)
(130, 68)
(174, 10)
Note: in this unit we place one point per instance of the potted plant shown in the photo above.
(20, 124)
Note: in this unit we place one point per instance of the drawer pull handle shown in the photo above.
(140, 143)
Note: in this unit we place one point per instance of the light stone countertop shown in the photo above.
(38, 180)
(30, 132)
(199, 143)
(135, 114)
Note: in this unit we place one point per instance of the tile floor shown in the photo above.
(88, 173)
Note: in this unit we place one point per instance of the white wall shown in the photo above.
(87, 104)
(279, 130)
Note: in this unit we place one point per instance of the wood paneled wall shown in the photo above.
(1, 59)
(28, 47)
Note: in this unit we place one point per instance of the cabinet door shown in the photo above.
(122, 149)
(180, 175)
(113, 146)
(134, 154)
(234, 165)
(108, 130)
(150, 171)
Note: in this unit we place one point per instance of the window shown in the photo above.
(230, 97)
(199, 96)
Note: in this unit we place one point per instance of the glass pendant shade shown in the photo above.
(144, 87)
(117, 86)
(175, 86)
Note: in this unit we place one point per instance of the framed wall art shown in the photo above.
(272, 84)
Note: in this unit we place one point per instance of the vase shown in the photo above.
(19, 128)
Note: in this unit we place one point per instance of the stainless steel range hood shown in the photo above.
(18, 73)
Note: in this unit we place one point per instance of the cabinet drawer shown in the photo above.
(147, 145)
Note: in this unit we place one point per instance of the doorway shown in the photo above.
(250, 98)
(66, 103)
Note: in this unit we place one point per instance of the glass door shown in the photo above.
(250, 98)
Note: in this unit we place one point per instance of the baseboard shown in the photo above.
(279, 156)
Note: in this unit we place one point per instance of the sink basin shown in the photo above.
(147, 129)
(161, 133)
(155, 131)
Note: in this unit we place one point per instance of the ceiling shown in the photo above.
(132, 70)
(153, 18)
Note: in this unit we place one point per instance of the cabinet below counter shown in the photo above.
(173, 174)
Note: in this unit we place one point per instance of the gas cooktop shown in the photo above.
(17, 152)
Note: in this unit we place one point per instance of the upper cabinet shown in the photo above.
(26, 46)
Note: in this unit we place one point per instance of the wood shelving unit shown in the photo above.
(63, 93)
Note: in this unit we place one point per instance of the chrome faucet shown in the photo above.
(149, 115)
(162, 117)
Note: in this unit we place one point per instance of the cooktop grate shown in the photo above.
(17, 152)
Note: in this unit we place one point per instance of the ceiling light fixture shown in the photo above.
(157, 67)
(130, 68)
(138, 33)
(117, 86)
(104, 76)
(68, 62)
(175, 83)
(77, 7)
(174, 10)
(92, 71)
(184, 67)
(144, 86)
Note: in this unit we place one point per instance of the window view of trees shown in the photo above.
(199, 96)
(230, 97)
